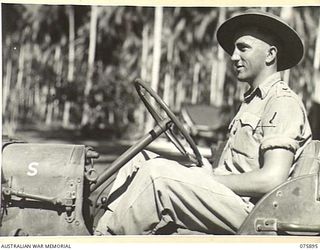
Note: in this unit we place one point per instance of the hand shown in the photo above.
(206, 164)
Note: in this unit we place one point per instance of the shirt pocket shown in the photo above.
(251, 120)
(246, 138)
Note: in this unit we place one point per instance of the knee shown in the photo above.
(156, 168)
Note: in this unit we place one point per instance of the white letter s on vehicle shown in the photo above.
(32, 170)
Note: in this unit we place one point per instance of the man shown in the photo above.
(266, 137)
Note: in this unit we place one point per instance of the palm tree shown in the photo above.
(156, 57)
(174, 28)
(7, 78)
(91, 59)
(71, 64)
(218, 70)
(286, 14)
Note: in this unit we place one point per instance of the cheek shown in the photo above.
(258, 60)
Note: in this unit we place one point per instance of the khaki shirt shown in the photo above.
(271, 116)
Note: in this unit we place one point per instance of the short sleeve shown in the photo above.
(283, 124)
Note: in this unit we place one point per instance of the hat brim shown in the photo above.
(292, 48)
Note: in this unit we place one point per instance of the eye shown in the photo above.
(242, 47)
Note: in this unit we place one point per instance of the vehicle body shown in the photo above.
(55, 189)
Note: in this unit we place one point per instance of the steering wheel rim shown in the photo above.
(138, 83)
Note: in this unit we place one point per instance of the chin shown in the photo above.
(241, 79)
(240, 76)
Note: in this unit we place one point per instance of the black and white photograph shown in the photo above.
(160, 120)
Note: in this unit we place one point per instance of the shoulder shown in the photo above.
(281, 92)
(283, 99)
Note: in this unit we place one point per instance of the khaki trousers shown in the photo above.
(157, 192)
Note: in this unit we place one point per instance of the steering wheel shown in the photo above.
(163, 125)
(140, 86)
(106, 178)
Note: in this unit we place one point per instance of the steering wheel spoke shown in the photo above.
(175, 140)
(140, 87)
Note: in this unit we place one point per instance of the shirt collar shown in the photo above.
(263, 88)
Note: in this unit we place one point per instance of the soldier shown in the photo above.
(267, 136)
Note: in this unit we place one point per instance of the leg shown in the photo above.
(164, 192)
(127, 173)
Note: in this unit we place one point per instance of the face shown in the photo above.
(249, 57)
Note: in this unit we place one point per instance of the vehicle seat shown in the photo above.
(293, 207)
(205, 122)
(309, 160)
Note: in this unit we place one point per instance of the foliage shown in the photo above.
(35, 61)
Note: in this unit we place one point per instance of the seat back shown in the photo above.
(309, 160)
(292, 207)
(206, 122)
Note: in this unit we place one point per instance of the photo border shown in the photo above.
(100, 242)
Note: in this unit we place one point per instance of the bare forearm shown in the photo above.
(275, 170)
(247, 184)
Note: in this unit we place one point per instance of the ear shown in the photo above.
(271, 55)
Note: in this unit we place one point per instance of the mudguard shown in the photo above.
(42, 189)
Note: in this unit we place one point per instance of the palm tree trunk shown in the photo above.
(7, 83)
(49, 112)
(145, 52)
(213, 81)
(218, 70)
(111, 118)
(195, 83)
(167, 88)
(16, 94)
(28, 82)
(71, 52)
(157, 48)
(44, 92)
(91, 57)
(37, 96)
(58, 66)
(140, 112)
(286, 15)
(21, 69)
(37, 90)
(181, 94)
(168, 75)
(156, 59)
(71, 59)
(222, 70)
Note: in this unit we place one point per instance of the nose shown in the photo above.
(235, 55)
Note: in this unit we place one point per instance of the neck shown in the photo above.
(261, 77)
